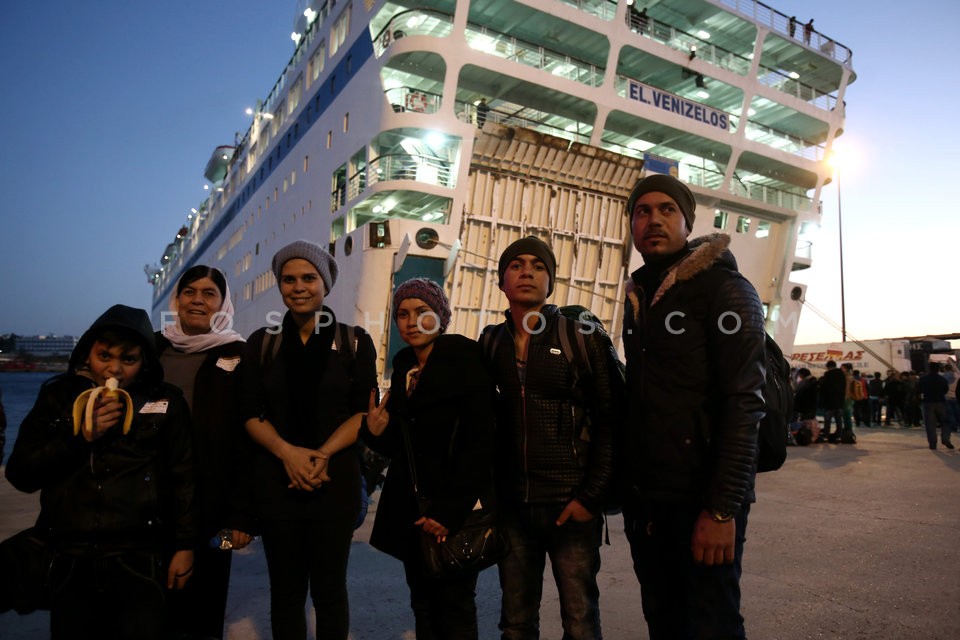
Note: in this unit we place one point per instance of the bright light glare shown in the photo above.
(703, 35)
(435, 139)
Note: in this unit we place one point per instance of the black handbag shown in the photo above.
(480, 543)
(25, 561)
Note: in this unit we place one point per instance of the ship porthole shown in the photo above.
(796, 293)
(348, 246)
(427, 238)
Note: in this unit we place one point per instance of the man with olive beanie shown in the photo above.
(555, 420)
(694, 342)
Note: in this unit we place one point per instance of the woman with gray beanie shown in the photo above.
(306, 386)
(442, 396)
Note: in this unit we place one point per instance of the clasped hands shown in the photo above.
(306, 468)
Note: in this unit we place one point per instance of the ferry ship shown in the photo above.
(421, 137)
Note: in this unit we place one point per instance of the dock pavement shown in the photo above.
(845, 542)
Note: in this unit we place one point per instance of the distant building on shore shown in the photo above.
(45, 346)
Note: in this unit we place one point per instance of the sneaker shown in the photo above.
(948, 445)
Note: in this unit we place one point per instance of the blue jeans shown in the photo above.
(683, 600)
(574, 551)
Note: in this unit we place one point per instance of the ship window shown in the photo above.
(719, 219)
(329, 139)
(306, 163)
(316, 63)
(743, 224)
(293, 98)
(337, 229)
(346, 122)
(763, 229)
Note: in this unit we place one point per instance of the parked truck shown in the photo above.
(868, 356)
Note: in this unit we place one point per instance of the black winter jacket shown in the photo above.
(120, 492)
(450, 420)
(222, 450)
(555, 430)
(306, 392)
(695, 375)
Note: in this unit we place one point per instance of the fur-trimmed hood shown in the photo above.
(705, 252)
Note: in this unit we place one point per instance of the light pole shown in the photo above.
(843, 306)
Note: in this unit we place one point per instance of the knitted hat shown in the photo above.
(533, 246)
(428, 291)
(669, 185)
(314, 254)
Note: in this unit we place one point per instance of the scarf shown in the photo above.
(220, 333)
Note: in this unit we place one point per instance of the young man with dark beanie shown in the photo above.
(555, 421)
(694, 342)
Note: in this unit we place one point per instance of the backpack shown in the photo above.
(778, 398)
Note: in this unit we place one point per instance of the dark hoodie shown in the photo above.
(121, 492)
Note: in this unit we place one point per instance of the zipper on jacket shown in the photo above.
(526, 466)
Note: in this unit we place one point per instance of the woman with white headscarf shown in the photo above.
(201, 354)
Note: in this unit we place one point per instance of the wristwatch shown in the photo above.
(721, 516)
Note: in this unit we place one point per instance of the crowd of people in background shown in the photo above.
(845, 397)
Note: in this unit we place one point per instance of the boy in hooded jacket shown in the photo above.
(116, 506)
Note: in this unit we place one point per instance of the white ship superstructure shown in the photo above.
(374, 141)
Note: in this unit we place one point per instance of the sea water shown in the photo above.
(19, 389)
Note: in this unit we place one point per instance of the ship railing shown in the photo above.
(526, 118)
(792, 29)
(412, 99)
(438, 24)
(719, 57)
(395, 166)
(603, 9)
(711, 179)
(415, 22)
(785, 142)
(533, 55)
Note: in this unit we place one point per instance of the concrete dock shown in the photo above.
(845, 542)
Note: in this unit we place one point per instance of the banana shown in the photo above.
(85, 403)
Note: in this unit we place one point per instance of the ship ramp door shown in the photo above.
(572, 196)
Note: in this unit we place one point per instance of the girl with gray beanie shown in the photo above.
(442, 396)
(305, 392)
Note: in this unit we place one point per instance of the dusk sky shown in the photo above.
(112, 109)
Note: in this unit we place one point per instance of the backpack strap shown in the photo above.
(270, 347)
(576, 357)
(345, 341)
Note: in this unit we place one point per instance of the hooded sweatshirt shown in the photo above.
(122, 491)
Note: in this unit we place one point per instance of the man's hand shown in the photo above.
(713, 542)
(574, 510)
(180, 570)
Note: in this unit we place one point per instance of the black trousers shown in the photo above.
(302, 555)
(199, 609)
(115, 597)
